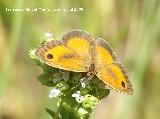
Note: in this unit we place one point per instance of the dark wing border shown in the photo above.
(102, 42)
(76, 33)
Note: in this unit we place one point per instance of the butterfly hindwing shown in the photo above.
(116, 77)
(108, 69)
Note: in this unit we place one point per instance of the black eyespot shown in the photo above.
(123, 84)
(49, 56)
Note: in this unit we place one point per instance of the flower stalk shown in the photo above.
(59, 109)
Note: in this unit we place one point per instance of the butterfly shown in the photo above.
(77, 51)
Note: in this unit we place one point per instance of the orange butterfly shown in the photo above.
(77, 52)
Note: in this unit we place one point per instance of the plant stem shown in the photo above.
(59, 109)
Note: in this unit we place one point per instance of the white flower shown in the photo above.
(79, 98)
(48, 35)
(54, 93)
(85, 82)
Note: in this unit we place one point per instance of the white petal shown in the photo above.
(78, 97)
(54, 93)
(48, 35)
(83, 84)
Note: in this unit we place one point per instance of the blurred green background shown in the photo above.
(132, 28)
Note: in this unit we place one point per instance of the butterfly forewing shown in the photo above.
(79, 42)
(58, 55)
(72, 53)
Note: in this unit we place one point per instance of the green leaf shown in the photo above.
(74, 79)
(83, 113)
(64, 113)
(96, 83)
(45, 79)
(89, 101)
(100, 93)
(68, 112)
(62, 85)
(84, 91)
(49, 69)
(50, 112)
(68, 99)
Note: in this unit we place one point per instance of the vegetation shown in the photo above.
(130, 26)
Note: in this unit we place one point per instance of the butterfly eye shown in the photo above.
(123, 84)
(49, 56)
